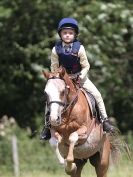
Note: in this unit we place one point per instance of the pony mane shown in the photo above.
(64, 75)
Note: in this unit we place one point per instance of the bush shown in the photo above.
(33, 154)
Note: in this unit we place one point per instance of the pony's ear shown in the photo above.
(46, 74)
(62, 71)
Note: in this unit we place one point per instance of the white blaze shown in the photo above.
(53, 88)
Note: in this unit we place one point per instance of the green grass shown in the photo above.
(37, 159)
(124, 169)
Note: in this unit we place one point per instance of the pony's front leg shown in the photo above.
(73, 138)
(70, 166)
(80, 134)
(54, 141)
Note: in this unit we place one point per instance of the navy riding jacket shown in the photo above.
(69, 60)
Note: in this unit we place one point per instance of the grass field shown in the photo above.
(124, 169)
(37, 159)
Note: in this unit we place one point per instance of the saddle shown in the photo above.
(90, 98)
(92, 104)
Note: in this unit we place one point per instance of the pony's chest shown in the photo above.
(67, 128)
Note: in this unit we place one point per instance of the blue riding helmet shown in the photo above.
(68, 23)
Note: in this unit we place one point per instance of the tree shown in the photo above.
(28, 32)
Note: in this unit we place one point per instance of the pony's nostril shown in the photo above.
(58, 120)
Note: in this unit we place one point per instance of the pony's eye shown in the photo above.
(62, 93)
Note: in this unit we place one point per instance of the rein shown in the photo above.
(73, 102)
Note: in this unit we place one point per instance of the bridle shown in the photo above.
(64, 103)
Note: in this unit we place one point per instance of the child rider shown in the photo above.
(70, 53)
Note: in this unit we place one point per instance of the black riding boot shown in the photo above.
(107, 126)
(45, 134)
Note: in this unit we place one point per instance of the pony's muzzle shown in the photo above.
(55, 121)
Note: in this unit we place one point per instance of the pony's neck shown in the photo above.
(70, 83)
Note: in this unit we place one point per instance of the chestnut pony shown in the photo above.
(80, 136)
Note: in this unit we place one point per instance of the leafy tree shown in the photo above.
(106, 31)
(28, 32)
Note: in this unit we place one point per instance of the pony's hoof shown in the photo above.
(71, 170)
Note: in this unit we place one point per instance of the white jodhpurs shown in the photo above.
(90, 87)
